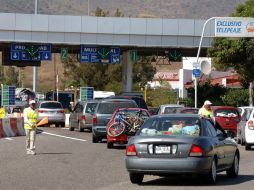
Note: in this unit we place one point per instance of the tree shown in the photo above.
(237, 53)
(11, 77)
(101, 13)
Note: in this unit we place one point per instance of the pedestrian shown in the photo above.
(2, 112)
(206, 109)
(30, 120)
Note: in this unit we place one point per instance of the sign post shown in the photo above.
(86, 93)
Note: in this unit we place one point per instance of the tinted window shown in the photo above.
(189, 111)
(79, 108)
(51, 105)
(110, 107)
(90, 107)
(171, 126)
(140, 102)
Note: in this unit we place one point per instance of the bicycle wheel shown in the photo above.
(116, 129)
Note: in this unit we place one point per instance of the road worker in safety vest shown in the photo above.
(2, 112)
(30, 121)
(206, 110)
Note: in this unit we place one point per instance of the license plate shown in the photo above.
(162, 149)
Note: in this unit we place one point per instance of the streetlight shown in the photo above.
(35, 70)
(88, 8)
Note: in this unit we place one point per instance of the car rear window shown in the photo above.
(226, 113)
(168, 110)
(90, 107)
(177, 126)
(51, 105)
(110, 107)
(189, 111)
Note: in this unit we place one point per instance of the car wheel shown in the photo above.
(95, 139)
(238, 140)
(247, 146)
(80, 128)
(136, 178)
(212, 175)
(110, 145)
(57, 125)
(62, 124)
(234, 170)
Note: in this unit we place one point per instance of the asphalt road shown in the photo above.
(70, 161)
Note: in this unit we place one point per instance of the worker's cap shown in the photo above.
(32, 102)
(207, 102)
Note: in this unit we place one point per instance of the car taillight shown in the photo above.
(131, 150)
(41, 111)
(196, 151)
(251, 125)
(83, 117)
(60, 111)
(94, 119)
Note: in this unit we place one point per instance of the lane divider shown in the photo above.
(12, 127)
(61, 136)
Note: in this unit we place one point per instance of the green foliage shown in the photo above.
(236, 97)
(160, 95)
(207, 91)
(101, 13)
(11, 77)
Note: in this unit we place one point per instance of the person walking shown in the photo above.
(30, 120)
(206, 110)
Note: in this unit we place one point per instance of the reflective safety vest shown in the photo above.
(205, 112)
(30, 117)
(2, 112)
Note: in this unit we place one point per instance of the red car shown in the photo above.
(124, 123)
(228, 118)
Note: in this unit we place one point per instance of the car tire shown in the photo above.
(136, 178)
(247, 146)
(95, 139)
(57, 125)
(110, 145)
(238, 140)
(80, 129)
(212, 175)
(234, 170)
(62, 124)
(242, 141)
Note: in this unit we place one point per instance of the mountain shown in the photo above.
(130, 8)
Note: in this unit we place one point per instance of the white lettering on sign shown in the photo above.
(234, 27)
(90, 49)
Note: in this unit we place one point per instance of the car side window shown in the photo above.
(211, 128)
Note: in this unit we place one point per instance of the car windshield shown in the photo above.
(110, 107)
(51, 105)
(226, 113)
(178, 126)
(168, 110)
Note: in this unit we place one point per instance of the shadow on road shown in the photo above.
(222, 180)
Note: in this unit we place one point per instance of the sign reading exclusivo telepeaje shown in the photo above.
(234, 27)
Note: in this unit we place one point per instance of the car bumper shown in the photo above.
(55, 119)
(99, 131)
(169, 166)
(120, 139)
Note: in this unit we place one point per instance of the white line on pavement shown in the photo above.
(76, 139)
(9, 139)
(65, 128)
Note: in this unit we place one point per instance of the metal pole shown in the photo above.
(88, 8)
(35, 70)
(199, 47)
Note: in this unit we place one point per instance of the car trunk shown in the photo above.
(164, 147)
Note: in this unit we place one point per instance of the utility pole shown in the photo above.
(35, 69)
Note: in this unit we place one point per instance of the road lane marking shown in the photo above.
(9, 139)
(76, 139)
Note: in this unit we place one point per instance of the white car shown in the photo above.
(249, 133)
(169, 108)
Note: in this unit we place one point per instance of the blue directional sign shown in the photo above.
(86, 93)
(94, 54)
(196, 73)
(7, 95)
(30, 52)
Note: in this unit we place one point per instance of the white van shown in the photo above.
(103, 94)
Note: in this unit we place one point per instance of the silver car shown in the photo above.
(82, 115)
(168, 108)
(181, 144)
(53, 110)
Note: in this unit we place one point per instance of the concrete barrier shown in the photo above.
(12, 127)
